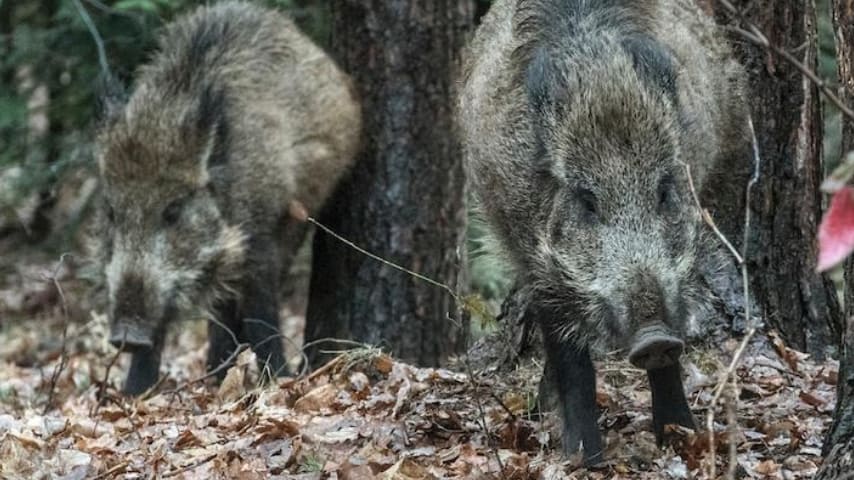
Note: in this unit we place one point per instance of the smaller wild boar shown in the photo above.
(578, 119)
(236, 116)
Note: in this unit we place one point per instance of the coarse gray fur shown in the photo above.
(578, 117)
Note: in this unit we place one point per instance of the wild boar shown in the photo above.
(578, 118)
(236, 116)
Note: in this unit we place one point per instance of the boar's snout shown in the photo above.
(654, 346)
(131, 336)
(129, 331)
(653, 343)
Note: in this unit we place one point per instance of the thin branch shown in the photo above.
(188, 467)
(113, 11)
(222, 366)
(102, 389)
(756, 36)
(99, 43)
(707, 217)
(118, 468)
(119, 402)
(382, 260)
(277, 335)
(63, 353)
(751, 331)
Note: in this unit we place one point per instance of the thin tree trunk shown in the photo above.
(785, 202)
(404, 200)
(839, 444)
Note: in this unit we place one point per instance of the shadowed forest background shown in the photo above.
(386, 408)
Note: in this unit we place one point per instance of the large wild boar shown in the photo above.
(236, 116)
(578, 119)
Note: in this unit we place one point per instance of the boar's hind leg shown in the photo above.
(575, 379)
(144, 370)
(260, 307)
(669, 405)
(223, 337)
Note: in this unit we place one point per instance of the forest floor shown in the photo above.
(364, 414)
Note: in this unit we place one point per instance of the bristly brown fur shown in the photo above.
(235, 116)
(578, 119)
(609, 98)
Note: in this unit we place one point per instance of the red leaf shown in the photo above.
(836, 232)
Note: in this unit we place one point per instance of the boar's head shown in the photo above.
(166, 245)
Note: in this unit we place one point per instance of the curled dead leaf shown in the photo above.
(232, 386)
(317, 399)
(767, 467)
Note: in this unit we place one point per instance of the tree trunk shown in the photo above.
(785, 202)
(839, 444)
(405, 198)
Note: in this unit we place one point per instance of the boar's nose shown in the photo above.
(653, 346)
(131, 336)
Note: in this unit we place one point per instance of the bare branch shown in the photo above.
(63, 353)
(707, 217)
(190, 466)
(99, 43)
(755, 35)
(751, 331)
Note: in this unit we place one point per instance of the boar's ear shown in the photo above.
(546, 88)
(211, 122)
(543, 82)
(653, 64)
(110, 99)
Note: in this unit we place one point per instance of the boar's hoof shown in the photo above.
(130, 337)
(655, 347)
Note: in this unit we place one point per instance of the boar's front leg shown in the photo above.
(575, 379)
(144, 370)
(669, 405)
(259, 309)
(223, 337)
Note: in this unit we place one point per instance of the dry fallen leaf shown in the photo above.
(232, 386)
(317, 399)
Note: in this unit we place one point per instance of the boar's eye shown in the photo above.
(588, 204)
(666, 193)
(172, 212)
(110, 214)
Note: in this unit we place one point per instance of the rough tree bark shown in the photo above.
(785, 202)
(839, 444)
(404, 200)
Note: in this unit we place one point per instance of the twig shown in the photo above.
(470, 372)
(223, 365)
(99, 43)
(119, 402)
(112, 11)
(482, 413)
(237, 350)
(751, 331)
(756, 36)
(277, 335)
(185, 468)
(500, 402)
(63, 353)
(102, 389)
(325, 368)
(732, 422)
(384, 261)
(119, 467)
(707, 217)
